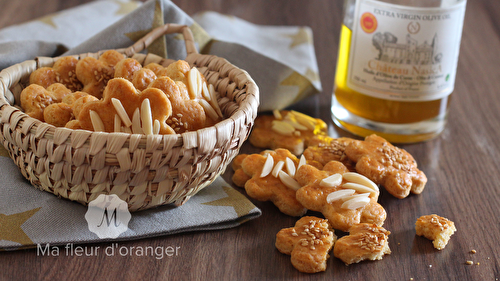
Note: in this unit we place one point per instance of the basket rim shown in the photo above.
(49, 130)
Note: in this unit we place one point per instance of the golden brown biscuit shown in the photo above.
(72, 97)
(308, 243)
(387, 165)
(343, 197)
(58, 114)
(239, 177)
(142, 78)
(365, 242)
(270, 185)
(435, 228)
(325, 149)
(63, 71)
(286, 129)
(35, 98)
(126, 68)
(187, 115)
(156, 68)
(95, 73)
(123, 90)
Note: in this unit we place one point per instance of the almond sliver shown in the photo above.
(282, 128)
(193, 83)
(117, 124)
(360, 179)
(290, 166)
(331, 181)
(136, 122)
(205, 92)
(146, 118)
(288, 181)
(304, 119)
(347, 198)
(156, 127)
(278, 168)
(302, 161)
(96, 121)
(277, 114)
(339, 194)
(268, 166)
(356, 203)
(117, 104)
(358, 187)
(209, 110)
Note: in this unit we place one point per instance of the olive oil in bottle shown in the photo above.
(396, 67)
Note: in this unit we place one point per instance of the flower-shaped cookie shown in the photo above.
(95, 73)
(63, 71)
(365, 241)
(269, 177)
(187, 114)
(308, 243)
(344, 198)
(286, 129)
(387, 165)
(325, 149)
(122, 90)
(35, 98)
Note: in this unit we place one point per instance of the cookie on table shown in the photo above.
(365, 242)
(286, 129)
(308, 242)
(344, 198)
(269, 176)
(435, 228)
(387, 165)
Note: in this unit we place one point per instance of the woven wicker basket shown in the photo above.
(145, 171)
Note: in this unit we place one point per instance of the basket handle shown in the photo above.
(156, 33)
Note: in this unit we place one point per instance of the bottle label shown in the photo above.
(404, 53)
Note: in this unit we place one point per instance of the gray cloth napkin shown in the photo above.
(280, 59)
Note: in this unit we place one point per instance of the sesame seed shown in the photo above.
(469, 262)
(473, 251)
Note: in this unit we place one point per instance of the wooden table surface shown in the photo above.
(462, 166)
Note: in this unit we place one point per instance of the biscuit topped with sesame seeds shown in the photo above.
(63, 71)
(308, 242)
(286, 129)
(387, 165)
(365, 242)
(435, 228)
(95, 73)
(325, 149)
(35, 98)
(344, 198)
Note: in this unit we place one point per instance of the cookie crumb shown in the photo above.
(469, 262)
(473, 251)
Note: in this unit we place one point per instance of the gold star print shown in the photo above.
(304, 86)
(49, 20)
(301, 37)
(200, 36)
(311, 75)
(10, 227)
(159, 46)
(126, 7)
(234, 199)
